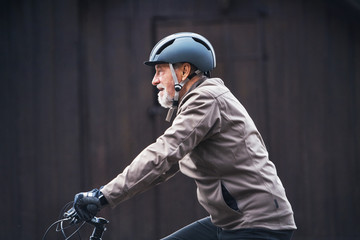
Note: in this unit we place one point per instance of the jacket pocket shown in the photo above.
(229, 199)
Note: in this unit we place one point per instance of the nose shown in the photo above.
(155, 81)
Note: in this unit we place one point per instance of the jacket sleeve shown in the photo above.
(159, 161)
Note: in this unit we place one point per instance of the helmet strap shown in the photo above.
(177, 86)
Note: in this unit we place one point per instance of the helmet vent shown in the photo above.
(164, 46)
(201, 42)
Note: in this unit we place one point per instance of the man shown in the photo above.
(214, 141)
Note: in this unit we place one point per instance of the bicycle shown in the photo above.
(70, 219)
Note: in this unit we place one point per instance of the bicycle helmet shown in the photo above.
(184, 47)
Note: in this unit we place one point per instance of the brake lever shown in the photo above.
(72, 215)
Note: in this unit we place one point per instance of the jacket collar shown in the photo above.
(195, 85)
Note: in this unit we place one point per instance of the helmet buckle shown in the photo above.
(178, 87)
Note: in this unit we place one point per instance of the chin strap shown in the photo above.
(178, 86)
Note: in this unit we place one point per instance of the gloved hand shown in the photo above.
(87, 204)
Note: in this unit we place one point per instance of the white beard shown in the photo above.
(165, 100)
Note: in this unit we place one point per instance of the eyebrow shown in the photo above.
(158, 66)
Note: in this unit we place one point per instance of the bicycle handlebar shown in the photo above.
(98, 223)
(71, 219)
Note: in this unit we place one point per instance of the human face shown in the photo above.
(165, 84)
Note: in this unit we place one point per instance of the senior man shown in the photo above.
(214, 141)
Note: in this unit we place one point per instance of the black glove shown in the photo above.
(87, 204)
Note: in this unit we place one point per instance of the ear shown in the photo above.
(186, 69)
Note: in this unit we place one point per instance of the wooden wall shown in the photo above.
(78, 105)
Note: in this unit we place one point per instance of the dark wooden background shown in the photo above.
(77, 106)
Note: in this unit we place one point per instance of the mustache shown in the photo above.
(160, 87)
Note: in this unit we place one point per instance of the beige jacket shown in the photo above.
(214, 141)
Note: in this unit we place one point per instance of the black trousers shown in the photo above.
(205, 230)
